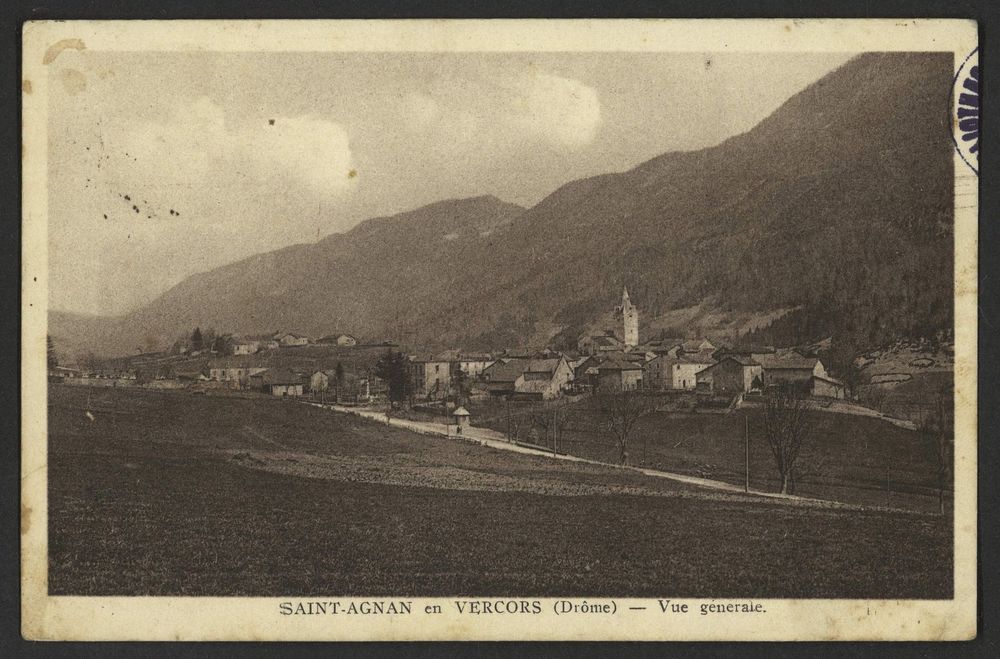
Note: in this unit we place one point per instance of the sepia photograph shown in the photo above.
(533, 331)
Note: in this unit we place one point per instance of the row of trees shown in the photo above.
(208, 339)
(785, 424)
(785, 419)
(785, 415)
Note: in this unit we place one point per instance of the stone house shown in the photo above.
(245, 347)
(598, 343)
(236, 373)
(585, 372)
(529, 378)
(617, 374)
(757, 353)
(430, 377)
(676, 373)
(791, 370)
(343, 340)
(278, 382)
(806, 375)
(291, 339)
(319, 381)
(827, 387)
(733, 374)
(473, 364)
(697, 345)
(354, 388)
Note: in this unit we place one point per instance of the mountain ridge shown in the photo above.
(784, 215)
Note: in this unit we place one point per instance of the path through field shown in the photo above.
(496, 440)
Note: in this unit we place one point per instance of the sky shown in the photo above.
(162, 165)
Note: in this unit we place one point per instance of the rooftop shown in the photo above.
(794, 361)
(514, 368)
(279, 376)
(618, 364)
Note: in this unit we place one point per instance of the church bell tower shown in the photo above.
(630, 320)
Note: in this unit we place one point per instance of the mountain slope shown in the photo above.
(839, 205)
(836, 203)
(360, 281)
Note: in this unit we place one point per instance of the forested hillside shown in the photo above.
(840, 205)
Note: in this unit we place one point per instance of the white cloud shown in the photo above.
(196, 146)
(307, 149)
(505, 109)
(560, 109)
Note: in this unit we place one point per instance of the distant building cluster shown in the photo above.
(337, 366)
(615, 360)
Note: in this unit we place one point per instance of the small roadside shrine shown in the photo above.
(461, 418)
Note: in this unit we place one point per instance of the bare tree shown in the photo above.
(515, 421)
(549, 420)
(937, 428)
(461, 386)
(843, 360)
(623, 408)
(874, 395)
(786, 429)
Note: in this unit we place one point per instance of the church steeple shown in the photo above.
(630, 320)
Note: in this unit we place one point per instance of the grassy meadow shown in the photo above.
(847, 458)
(164, 493)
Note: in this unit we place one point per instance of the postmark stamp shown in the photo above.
(965, 111)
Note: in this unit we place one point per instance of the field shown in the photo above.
(852, 459)
(165, 493)
(355, 359)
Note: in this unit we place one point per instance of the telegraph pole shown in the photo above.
(555, 435)
(887, 487)
(746, 452)
(554, 429)
(507, 402)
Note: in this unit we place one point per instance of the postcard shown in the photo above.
(499, 330)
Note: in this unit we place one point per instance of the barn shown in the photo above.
(731, 375)
(278, 382)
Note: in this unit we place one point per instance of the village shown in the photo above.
(340, 367)
(688, 407)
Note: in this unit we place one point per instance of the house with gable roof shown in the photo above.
(529, 378)
(676, 372)
(619, 374)
(731, 375)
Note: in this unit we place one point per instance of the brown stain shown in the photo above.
(832, 632)
(965, 282)
(26, 86)
(788, 28)
(53, 51)
(25, 519)
(73, 81)
(352, 174)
